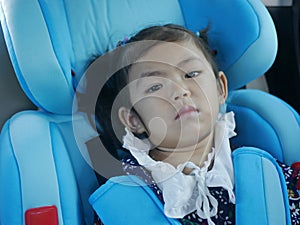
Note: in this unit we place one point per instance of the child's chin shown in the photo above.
(188, 146)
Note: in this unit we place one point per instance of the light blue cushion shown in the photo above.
(266, 122)
(128, 200)
(41, 165)
(261, 193)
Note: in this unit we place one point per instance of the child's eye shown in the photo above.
(192, 74)
(154, 88)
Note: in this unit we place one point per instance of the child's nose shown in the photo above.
(181, 93)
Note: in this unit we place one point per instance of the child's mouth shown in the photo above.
(185, 110)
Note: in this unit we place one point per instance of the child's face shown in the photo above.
(176, 95)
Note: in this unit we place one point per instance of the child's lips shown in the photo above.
(185, 110)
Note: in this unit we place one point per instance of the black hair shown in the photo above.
(103, 109)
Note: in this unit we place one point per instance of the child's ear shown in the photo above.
(130, 120)
(222, 87)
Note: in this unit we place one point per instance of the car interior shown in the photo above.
(47, 142)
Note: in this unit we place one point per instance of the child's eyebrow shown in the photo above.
(162, 73)
(184, 61)
(149, 74)
(152, 73)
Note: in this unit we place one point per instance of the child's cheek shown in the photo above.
(157, 130)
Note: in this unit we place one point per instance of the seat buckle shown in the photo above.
(46, 215)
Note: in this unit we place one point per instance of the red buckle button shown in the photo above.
(46, 215)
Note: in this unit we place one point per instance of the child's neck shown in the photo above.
(195, 154)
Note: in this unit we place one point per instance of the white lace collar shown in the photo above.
(183, 194)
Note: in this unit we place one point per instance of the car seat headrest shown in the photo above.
(51, 43)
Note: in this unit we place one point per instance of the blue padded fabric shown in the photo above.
(237, 41)
(127, 200)
(38, 170)
(261, 194)
(29, 166)
(81, 164)
(60, 36)
(38, 69)
(10, 189)
(265, 122)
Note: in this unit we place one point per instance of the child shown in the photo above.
(177, 131)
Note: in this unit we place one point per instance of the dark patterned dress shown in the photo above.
(292, 179)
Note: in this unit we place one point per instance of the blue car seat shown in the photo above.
(45, 172)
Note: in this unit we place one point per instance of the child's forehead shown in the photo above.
(171, 52)
(168, 55)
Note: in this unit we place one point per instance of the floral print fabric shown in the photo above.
(291, 177)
